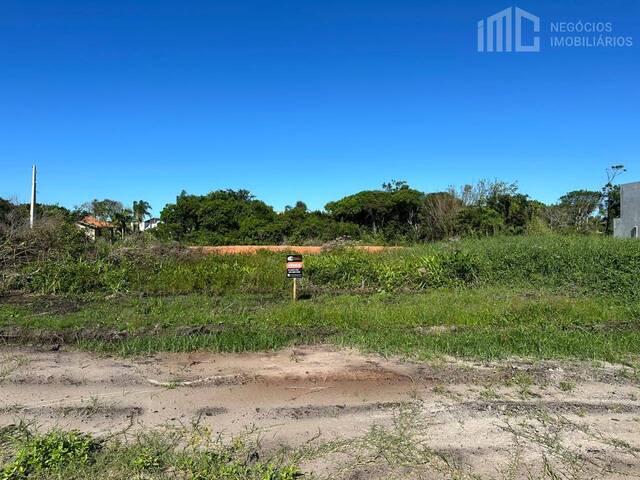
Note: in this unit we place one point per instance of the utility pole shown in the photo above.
(32, 212)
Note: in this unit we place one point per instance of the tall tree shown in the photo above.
(141, 209)
(438, 215)
(222, 217)
(579, 207)
(122, 220)
(103, 209)
(392, 211)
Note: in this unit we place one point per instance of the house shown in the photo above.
(629, 222)
(148, 224)
(95, 228)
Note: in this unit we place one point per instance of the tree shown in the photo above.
(368, 208)
(488, 198)
(392, 212)
(438, 216)
(611, 197)
(478, 194)
(478, 220)
(222, 217)
(395, 185)
(517, 210)
(5, 208)
(579, 206)
(103, 209)
(122, 220)
(141, 209)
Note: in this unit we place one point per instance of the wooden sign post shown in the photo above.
(294, 270)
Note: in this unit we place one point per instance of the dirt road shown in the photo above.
(483, 418)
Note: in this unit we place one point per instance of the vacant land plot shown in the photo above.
(498, 358)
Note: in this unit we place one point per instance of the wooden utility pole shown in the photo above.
(32, 211)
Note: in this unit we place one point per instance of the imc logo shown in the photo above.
(499, 31)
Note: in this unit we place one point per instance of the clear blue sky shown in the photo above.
(305, 100)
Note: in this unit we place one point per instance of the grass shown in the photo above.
(488, 323)
(587, 264)
(193, 454)
(536, 296)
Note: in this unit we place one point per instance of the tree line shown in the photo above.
(395, 213)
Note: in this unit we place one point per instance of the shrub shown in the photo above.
(49, 453)
(594, 264)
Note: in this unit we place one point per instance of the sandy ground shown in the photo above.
(306, 249)
(500, 420)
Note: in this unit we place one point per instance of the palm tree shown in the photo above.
(122, 218)
(141, 209)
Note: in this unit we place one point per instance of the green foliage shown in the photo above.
(5, 208)
(148, 460)
(49, 453)
(352, 269)
(223, 217)
(577, 208)
(297, 225)
(395, 214)
(172, 454)
(479, 220)
(437, 216)
(106, 209)
(393, 211)
(140, 209)
(601, 265)
(223, 466)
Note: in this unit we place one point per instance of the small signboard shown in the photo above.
(294, 266)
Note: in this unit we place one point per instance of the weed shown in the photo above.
(148, 460)
(489, 394)
(167, 453)
(596, 265)
(490, 323)
(50, 452)
(524, 381)
(567, 386)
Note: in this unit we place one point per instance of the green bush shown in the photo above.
(194, 455)
(586, 263)
(49, 453)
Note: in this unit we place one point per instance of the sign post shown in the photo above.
(294, 270)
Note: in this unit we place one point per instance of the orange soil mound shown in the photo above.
(253, 249)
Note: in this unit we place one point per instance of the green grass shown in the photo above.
(490, 322)
(540, 296)
(190, 454)
(588, 264)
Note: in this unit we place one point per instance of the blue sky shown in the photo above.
(305, 100)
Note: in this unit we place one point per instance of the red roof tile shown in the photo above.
(94, 222)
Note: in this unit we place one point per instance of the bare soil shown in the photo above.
(253, 249)
(484, 419)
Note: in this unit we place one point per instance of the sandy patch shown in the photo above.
(477, 415)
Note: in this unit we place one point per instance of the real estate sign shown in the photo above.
(294, 266)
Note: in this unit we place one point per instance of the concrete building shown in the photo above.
(148, 224)
(628, 225)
